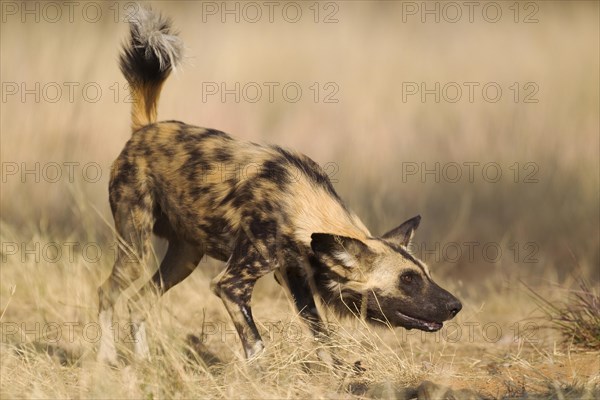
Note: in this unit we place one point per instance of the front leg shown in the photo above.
(234, 286)
(295, 280)
(240, 312)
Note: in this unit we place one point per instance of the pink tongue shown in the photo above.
(434, 326)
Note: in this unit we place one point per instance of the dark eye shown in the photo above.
(407, 278)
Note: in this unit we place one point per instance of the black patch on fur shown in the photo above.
(241, 197)
(218, 225)
(322, 275)
(147, 151)
(198, 191)
(181, 136)
(168, 152)
(275, 171)
(222, 155)
(126, 171)
(216, 133)
(414, 286)
(229, 196)
(192, 136)
(140, 66)
(162, 227)
(196, 168)
(304, 165)
(267, 207)
(263, 229)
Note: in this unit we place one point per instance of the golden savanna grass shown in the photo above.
(542, 212)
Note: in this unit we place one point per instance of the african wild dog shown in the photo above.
(283, 215)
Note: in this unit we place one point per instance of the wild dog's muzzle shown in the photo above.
(452, 308)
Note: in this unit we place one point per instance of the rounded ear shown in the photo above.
(338, 250)
(403, 234)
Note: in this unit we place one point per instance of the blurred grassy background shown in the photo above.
(370, 134)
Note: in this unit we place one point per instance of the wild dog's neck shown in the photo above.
(314, 210)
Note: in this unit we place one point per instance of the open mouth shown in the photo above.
(412, 322)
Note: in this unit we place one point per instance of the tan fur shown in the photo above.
(144, 110)
(314, 210)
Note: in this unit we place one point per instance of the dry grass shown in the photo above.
(370, 135)
(578, 319)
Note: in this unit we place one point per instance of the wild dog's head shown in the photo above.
(380, 279)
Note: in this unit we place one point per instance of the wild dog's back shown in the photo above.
(207, 184)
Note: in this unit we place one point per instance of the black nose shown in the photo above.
(454, 307)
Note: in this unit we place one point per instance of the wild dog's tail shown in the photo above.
(147, 60)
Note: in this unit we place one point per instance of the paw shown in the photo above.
(357, 368)
(107, 355)
(140, 343)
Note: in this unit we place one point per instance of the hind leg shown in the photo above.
(134, 226)
(179, 262)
